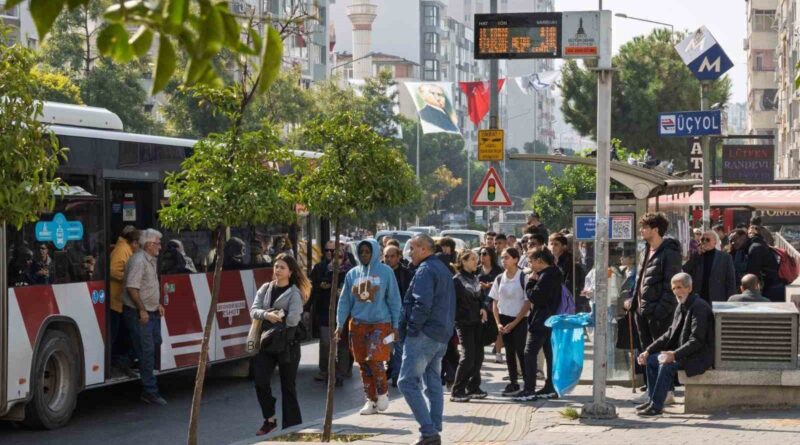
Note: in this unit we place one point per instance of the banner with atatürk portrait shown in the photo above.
(434, 103)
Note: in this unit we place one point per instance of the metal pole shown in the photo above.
(704, 87)
(600, 407)
(494, 106)
(419, 180)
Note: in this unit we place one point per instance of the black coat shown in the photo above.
(761, 262)
(721, 280)
(691, 336)
(403, 276)
(469, 300)
(653, 296)
(545, 295)
(320, 298)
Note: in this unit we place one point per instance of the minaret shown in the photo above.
(361, 13)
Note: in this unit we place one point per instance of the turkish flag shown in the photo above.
(478, 98)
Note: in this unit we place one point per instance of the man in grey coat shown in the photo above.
(712, 270)
(751, 291)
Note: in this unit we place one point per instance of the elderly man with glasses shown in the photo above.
(712, 269)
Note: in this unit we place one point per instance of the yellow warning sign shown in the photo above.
(490, 145)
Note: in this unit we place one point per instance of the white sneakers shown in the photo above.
(383, 402)
(371, 407)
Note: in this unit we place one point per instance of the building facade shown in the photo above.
(760, 45)
(19, 19)
(787, 141)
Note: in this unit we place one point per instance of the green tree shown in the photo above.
(649, 78)
(30, 154)
(554, 202)
(358, 172)
(70, 45)
(229, 180)
(55, 87)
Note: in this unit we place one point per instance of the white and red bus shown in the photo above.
(54, 328)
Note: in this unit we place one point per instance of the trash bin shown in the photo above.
(568, 344)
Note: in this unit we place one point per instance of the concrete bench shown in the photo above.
(719, 390)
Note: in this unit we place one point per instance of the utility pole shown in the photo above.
(494, 104)
(600, 407)
(705, 86)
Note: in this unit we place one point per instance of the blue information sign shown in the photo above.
(59, 231)
(690, 123)
(703, 55)
(620, 227)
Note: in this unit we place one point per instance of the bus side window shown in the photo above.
(184, 252)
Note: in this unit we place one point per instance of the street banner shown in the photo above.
(478, 98)
(690, 123)
(748, 164)
(491, 192)
(537, 81)
(434, 103)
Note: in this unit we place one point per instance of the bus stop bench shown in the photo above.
(720, 390)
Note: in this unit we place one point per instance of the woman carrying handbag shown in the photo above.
(279, 304)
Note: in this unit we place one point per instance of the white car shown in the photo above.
(400, 235)
(428, 230)
(472, 238)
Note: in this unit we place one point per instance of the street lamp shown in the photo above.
(626, 16)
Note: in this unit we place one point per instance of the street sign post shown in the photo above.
(490, 145)
(705, 58)
(491, 192)
(690, 123)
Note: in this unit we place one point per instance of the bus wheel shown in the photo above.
(55, 382)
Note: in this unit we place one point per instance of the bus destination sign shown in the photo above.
(518, 36)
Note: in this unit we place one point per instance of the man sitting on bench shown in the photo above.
(688, 344)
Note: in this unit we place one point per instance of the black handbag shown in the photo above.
(489, 332)
(273, 337)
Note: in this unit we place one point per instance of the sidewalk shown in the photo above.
(498, 420)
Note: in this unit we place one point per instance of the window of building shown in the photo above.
(764, 60)
(430, 15)
(763, 19)
(431, 70)
(431, 41)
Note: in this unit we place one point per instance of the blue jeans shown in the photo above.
(146, 340)
(422, 367)
(396, 361)
(660, 378)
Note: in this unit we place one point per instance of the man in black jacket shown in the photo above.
(392, 257)
(712, 270)
(545, 295)
(321, 279)
(688, 344)
(653, 300)
(762, 263)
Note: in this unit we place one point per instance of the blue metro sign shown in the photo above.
(59, 231)
(690, 123)
(703, 55)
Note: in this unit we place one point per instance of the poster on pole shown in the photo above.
(434, 104)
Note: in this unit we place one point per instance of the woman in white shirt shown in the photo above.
(510, 307)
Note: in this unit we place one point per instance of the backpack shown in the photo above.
(787, 266)
(522, 279)
(567, 304)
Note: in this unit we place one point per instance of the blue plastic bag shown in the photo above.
(567, 341)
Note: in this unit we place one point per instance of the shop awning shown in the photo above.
(766, 199)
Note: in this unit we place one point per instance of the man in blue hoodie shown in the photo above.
(427, 324)
(371, 298)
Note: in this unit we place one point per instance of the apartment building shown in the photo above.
(787, 142)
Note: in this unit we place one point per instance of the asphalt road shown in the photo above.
(230, 411)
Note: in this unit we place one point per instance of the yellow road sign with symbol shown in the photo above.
(490, 145)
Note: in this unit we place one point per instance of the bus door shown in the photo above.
(132, 200)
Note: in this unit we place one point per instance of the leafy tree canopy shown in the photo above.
(30, 153)
(55, 87)
(650, 78)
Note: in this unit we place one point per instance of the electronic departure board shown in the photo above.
(518, 36)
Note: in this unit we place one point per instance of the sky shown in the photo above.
(726, 19)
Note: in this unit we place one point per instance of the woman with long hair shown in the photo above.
(470, 313)
(280, 302)
(510, 306)
(488, 270)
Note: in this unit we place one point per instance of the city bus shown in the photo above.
(54, 325)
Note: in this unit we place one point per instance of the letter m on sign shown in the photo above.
(711, 65)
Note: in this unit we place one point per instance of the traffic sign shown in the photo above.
(703, 55)
(490, 145)
(690, 123)
(491, 192)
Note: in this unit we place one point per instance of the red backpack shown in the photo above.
(787, 266)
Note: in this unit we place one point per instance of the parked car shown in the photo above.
(472, 238)
(460, 246)
(400, 235)
(428, 230)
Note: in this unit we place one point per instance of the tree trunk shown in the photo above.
(328, 424)
(203, 361)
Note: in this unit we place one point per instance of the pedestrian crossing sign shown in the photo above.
(491, 192)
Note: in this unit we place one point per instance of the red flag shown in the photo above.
(478, 98)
